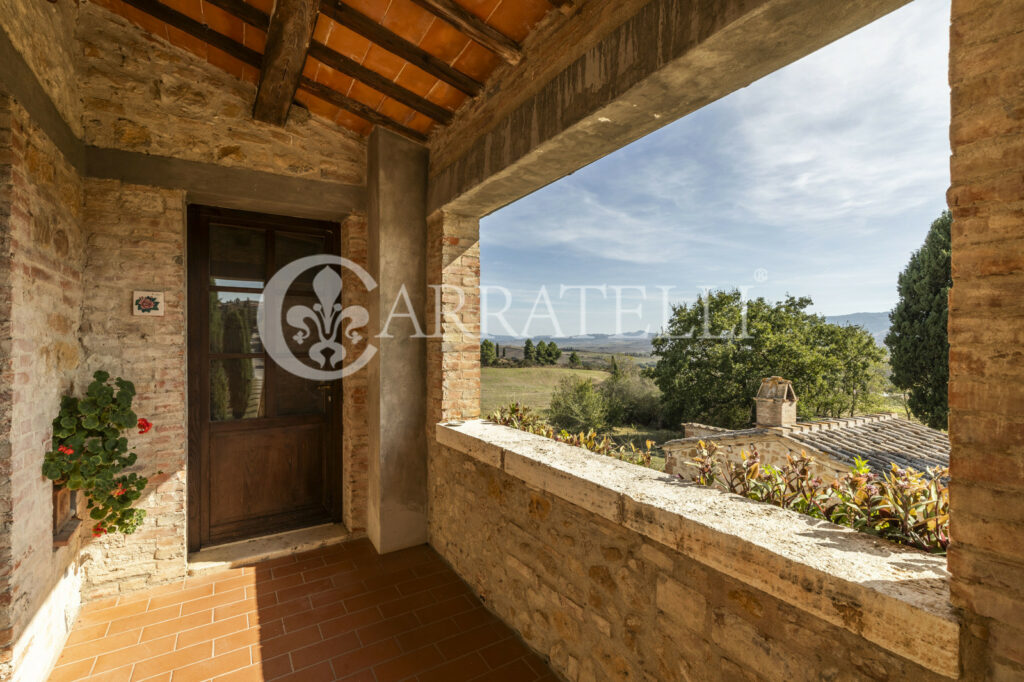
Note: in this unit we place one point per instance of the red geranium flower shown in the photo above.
(144, 425)
(65, 449)
(98, 530)
(118, 491)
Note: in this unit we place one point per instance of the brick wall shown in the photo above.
(40, 296)
(136, 240)
(986, 333)
(453, 343)
(606, 603)
(142, 94)
(354, 412)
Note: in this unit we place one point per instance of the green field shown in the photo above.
(531, 386)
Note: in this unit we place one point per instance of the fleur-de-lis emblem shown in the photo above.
(326, 317)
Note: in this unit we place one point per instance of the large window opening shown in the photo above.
(648, 296)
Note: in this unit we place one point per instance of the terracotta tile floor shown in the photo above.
(339, 613)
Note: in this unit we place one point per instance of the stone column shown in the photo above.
(986, 331)
(453, 350)
(396, 389)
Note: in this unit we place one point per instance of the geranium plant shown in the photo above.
(90, 452)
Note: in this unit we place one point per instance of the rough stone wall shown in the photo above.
(40, 297)
(142, 94)
(606, 603)
(43, 33)
(136, 241)
(774, 448)
(986, 333)
(354, 412)
(453, 343)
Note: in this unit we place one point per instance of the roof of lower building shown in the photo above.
(881, 439)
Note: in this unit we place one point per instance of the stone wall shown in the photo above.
(986, 333)
(606, 602)
(142, 94)
(40, 297)
(136, 241)
(774, 449)
(354, 411)
(44, 34)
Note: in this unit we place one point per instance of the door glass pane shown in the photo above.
(290, 246)
(237, 389)
(237, 256)
(295, 395)
(233, 323)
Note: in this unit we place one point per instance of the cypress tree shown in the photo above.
(917, 340)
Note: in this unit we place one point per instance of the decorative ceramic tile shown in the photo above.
(148, 303)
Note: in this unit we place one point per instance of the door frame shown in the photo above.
(197, 320)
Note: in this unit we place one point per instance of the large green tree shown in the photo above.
(488, 353)
(917, 340)
(716, 351)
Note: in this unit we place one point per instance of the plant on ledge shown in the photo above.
(90, 452)
(519, 416)
(903, 505)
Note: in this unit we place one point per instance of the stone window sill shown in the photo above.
(895, 597)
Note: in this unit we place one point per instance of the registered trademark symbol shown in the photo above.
(760, 275)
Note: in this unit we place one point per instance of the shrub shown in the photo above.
(518, 416)
(903, 505)
(631, 398)
(576, 405)
(90, 452)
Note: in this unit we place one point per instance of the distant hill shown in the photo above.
(877, 324)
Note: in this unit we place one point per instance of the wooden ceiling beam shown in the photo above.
(182, 22)
(288, 38)
(474, 27)
(331, 96)
(349, 67)
(239, 8)
(399, 46)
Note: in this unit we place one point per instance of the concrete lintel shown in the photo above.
(670, 59)
(397, 388)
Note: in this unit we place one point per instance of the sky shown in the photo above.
(818, 180)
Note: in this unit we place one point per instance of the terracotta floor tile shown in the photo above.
(338, 613)
(213, 667)
(172, 661)
(72, 671)
(412, 663)
(133, 654)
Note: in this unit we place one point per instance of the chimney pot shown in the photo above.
(776, 403)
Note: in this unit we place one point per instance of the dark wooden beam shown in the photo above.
(291, 29)
(251, 15)
(474, 27)
(341, 101)
(397, 45)
(199, 30)
(349, 67)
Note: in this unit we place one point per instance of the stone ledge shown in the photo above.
(895, 597)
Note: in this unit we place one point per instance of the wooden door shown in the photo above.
(264, 444)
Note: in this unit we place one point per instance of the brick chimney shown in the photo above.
(776, 403)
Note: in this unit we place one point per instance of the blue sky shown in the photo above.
(820, 180)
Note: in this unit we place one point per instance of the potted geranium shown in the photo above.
(90, 452)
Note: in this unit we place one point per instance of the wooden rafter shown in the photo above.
(251, 15)
(474, 27)
(341, 101)
(291, 29)
(199, 30)
(350, 67)
(399, 46)
(253, 58)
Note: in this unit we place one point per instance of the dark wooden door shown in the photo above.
(264, 444)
